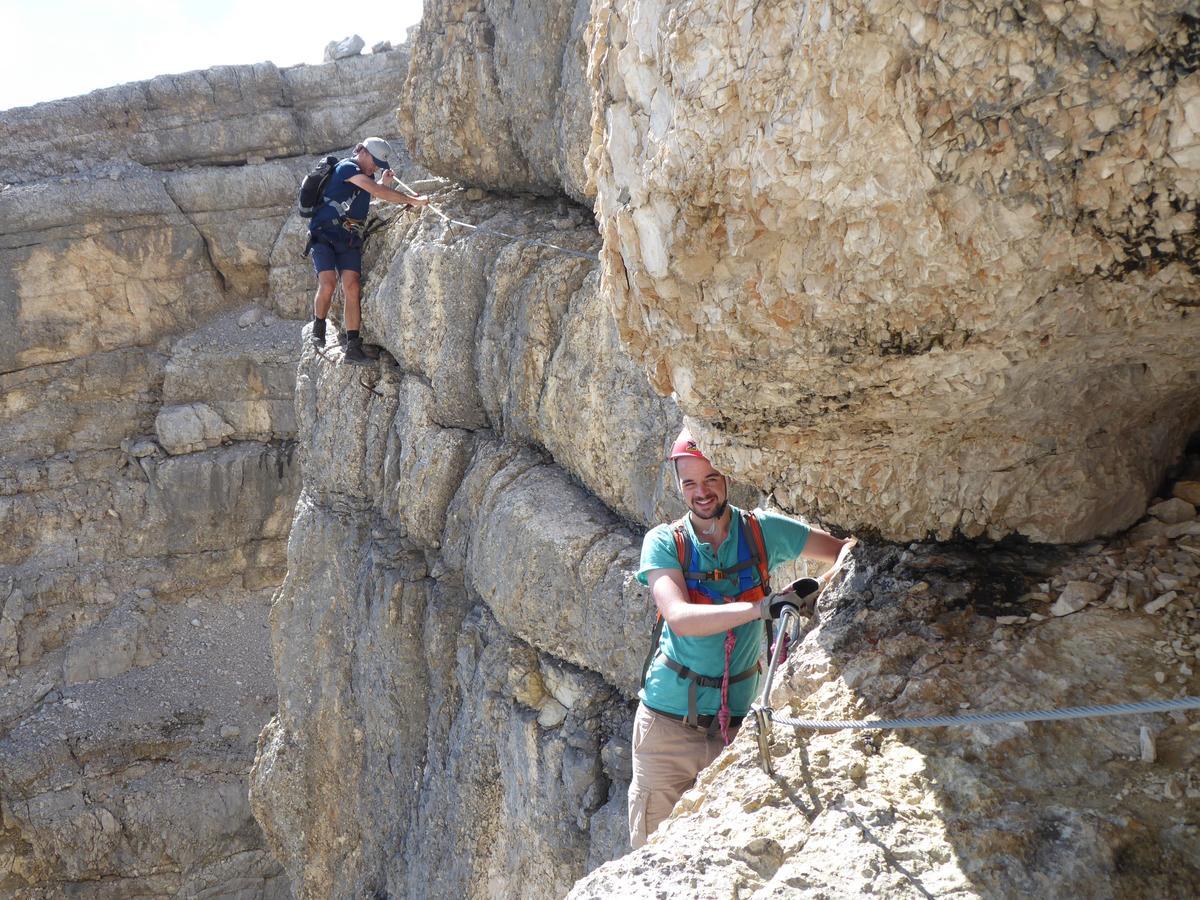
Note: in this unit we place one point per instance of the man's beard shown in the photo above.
(716, 513)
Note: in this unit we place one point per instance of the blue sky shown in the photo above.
(61, 48)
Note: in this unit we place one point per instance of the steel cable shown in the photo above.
(991, 718)
(504, 234)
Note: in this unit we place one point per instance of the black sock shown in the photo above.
(351, 335)
(318, 327)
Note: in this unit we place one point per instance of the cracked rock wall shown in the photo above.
(459, 633)
(866, 247)
(497, 95)
(147, 465)
(922, 268)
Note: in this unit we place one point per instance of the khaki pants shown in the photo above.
(667, 757)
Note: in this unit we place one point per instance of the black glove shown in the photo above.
(800, 595)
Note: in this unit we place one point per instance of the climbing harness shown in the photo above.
(355, 227)
(789, 625)
(752, 562)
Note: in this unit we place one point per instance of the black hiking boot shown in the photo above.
(370, 351)
(317, 338)
(354, 354)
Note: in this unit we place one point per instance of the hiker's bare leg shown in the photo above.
(351, 287)
(326, 283)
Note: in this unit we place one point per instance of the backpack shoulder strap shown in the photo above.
(682, 550)
(758, 549)
(683, 547)
(343, 207)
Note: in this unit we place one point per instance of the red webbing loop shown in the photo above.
(723, 715)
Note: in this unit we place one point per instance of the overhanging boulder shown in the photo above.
(930, 274)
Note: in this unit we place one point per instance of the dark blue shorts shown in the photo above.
(336, 249)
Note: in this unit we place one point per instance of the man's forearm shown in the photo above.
(702, 620)
(823, 546)
(395, 196)
(847, 544)
(382, 191)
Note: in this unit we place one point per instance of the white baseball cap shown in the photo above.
(380, 150)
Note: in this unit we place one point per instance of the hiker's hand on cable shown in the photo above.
(802, 594)
(418, 201)
(773, 607)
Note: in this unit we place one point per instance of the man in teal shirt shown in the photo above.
(711, 632)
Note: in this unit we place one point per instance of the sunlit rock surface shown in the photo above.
(227, 115)
(918, 269)
(497, 95)
(802, 266)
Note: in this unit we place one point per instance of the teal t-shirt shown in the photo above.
(666, 691)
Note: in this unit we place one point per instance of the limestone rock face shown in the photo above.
(72, 292)
(238, 213)
(136, 256)
(148, 473)
(223, 115)
(463, 598)
(919, 269)
(125, 760)
(421, 687)
(496, 95)
(133, 630)
(191, 427)
(516, 337)
(243, 367)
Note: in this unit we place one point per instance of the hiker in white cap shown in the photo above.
(336, 236)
